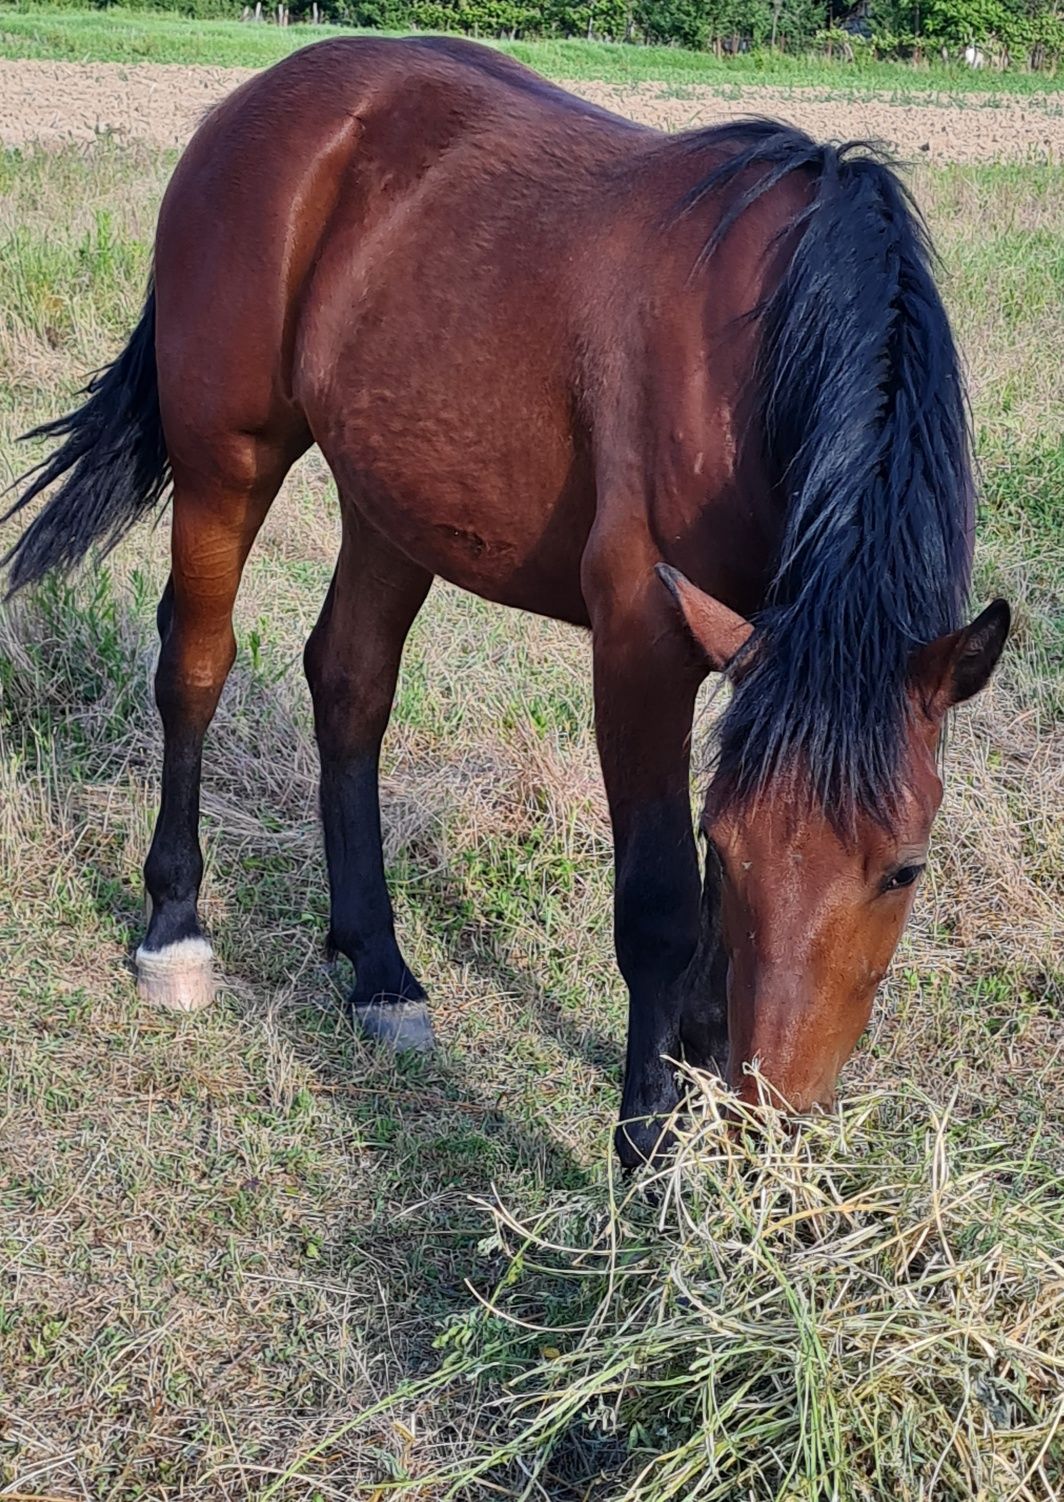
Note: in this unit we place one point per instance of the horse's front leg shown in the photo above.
(645, 687)
(704, 1020)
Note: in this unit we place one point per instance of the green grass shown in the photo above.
(238, 1247)
(131, 36)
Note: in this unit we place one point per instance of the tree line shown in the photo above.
(985, 33)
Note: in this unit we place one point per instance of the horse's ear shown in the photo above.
(717, 631)
(954, 667)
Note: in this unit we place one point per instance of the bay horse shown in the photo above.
(696, 393)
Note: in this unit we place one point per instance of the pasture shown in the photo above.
(246, 1256)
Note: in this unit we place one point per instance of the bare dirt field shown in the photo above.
(54, 103)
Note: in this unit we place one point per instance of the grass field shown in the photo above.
(239, 1251)
(130, 36)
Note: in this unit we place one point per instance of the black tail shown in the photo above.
(112, 461)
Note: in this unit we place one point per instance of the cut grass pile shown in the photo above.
(237, 1249)
(869, 1307)
(129, 36)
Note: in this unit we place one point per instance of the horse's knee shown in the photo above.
(351, 695)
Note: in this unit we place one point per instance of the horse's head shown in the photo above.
(812, 909)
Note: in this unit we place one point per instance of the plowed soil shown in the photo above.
(53, 103)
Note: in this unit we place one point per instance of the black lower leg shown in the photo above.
(656, 925)
(174, 867)
(704, 988)
(361, 923)
(644, 705)
(352, 664)
(174, 961)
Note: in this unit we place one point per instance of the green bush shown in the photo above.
(1009, 32)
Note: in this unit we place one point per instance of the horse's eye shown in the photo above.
(904, 876)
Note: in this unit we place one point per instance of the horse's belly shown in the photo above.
(439, 393)
(507, 527)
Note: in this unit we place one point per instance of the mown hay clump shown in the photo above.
(869, 1306)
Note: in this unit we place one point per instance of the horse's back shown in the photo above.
(401, 107)
(355, 139)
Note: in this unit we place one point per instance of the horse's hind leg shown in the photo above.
(216, 516)
(352, 663)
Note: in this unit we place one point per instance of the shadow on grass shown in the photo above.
(481, 950)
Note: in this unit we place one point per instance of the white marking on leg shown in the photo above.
(178, 977)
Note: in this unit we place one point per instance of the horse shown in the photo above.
(697, 394)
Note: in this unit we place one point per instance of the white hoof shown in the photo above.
(179, 977)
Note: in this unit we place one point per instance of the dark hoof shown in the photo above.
(643, 1141)
(403, 1026)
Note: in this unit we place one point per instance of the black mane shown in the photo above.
(865, 427)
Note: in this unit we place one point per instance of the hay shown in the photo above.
(870, 1306)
